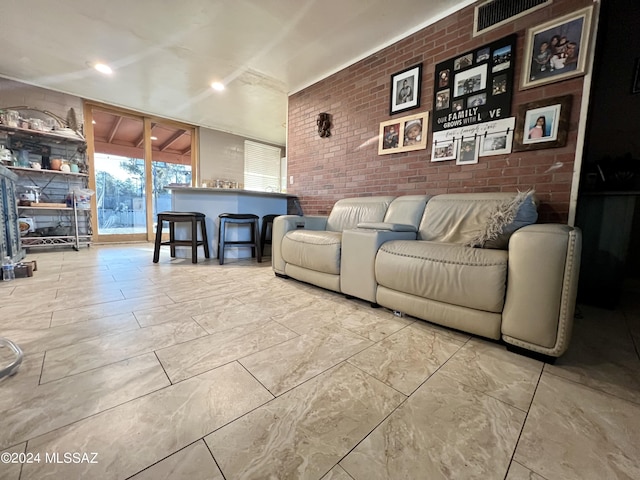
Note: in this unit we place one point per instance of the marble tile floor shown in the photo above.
(135, 370)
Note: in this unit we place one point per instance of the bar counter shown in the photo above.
(214, 201)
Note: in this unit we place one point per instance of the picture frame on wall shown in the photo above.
(474, 87)
(557, 50)
(500, 143)
(543, 124)
(403, 134)
(444, 150)
(405, 89)
(468, 151)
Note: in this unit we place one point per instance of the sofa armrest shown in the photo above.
(544, 262)
(391, 227)
(285, 223)
(358, 258)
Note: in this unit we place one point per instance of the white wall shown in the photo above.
(221, 156)
(16, 94)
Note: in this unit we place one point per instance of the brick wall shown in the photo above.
(347, 163)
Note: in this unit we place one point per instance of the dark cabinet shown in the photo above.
(606, 220)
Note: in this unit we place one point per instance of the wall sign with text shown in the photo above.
(474, 87)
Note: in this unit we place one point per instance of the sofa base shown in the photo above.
(531, 354)
(485, 324)
(320, 279)
(281, 275)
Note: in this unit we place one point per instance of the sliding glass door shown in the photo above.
(132, 161)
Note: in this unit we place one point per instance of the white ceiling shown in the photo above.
(165, 54)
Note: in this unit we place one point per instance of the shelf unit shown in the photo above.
(9, 229)
(55, 225)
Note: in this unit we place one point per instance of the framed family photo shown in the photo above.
(557, 50)
(543, 124)
(444, 150)
(499, 143)
(474, 87)
(403, 134)
(405, 89)
(468, 151)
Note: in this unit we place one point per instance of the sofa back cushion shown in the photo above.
(470, 218)
(407, 210)
(349, 212)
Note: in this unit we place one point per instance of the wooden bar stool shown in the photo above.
(179, 217)
(239, 219)
(267, 228)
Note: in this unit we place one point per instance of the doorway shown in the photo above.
(133, 160)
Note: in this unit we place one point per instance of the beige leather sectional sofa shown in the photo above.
(476, 262)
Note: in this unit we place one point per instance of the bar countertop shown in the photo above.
(228, 191)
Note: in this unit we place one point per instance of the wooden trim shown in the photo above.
(148, 178)
(195, 157)
(149, 121)
(89, 137)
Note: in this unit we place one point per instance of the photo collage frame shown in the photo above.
(403, 134)
(475, 87)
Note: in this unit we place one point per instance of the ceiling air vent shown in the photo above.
(494, 13)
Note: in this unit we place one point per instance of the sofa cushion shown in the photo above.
(444, 272)
(349, 212)
(315, 250)
(407, 210)
(460, 218)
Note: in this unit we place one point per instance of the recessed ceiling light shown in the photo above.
(102, 68)
(154, 138)
(93, 121)
(219, 86)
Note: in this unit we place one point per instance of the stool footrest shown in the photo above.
(182, 243)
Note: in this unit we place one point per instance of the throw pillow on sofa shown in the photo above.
(505, 219)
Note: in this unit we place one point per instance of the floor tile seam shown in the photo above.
(89, 370)
(234, 339)
(383, 420)
(163, 369)
(205, 295)
(137, 354)
(240, 416)
(15, 445)
(380, 380)
(44, 328)
(487, 393)
(345, 360)
(84, 340)
(438, 369)
(90, 305)
(257, 324)
(214, 459)
(87, 320)
(100, 412)
(308, 380)
(428, 376)
(636, 342)
(168, 456)
(592, 388)
(524, 466)
(98, 318)
(257, 379)
(524, 423)
(313, 329)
